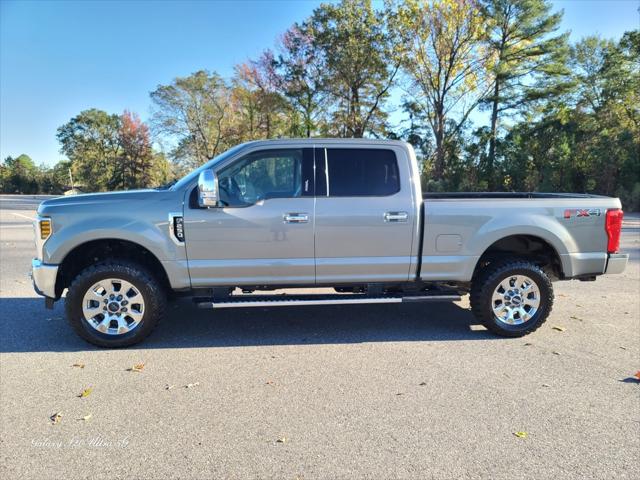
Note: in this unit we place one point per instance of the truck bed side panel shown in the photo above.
(458, 231)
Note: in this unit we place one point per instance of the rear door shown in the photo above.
(365, 218)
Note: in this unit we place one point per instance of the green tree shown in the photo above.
(444, 64)
(527, 61)
(19, 175)
(91, 140)
(356, 56)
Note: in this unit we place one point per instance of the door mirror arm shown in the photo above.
(208, 189)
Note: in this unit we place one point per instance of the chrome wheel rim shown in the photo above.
(113, 306)
(515, 300)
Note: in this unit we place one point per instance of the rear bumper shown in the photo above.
(617, 262)
(44, 278)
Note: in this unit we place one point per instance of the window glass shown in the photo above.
(260, 176)
(362, 172)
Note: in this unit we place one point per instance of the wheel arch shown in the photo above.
(94, 251)
(525, 246)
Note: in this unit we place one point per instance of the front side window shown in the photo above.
(261, 176)
(357, 172)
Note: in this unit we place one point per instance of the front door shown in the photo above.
(262, 233)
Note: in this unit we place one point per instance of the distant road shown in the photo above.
(23, 202)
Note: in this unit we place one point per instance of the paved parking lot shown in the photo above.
(384, 391)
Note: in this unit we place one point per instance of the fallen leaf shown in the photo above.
(422, 384)
(86, 392)
(86, 417)
(55, 418)
(546, 385)
(282, 440)
(560, 329)
(521, 434)
(528, 344)
(79, 365)
(398, 394)
(573, 317)
(191, 385)
(269, 382)
(169, 387)
(623, 348)
(136, 368)
(556, 353)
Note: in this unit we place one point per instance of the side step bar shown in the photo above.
(306, 300)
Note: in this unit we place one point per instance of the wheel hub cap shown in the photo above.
(113, 306)
(515, 300)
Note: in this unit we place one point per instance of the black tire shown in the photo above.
(487, 281)
(153, 294)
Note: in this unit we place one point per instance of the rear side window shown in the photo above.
(362, 172)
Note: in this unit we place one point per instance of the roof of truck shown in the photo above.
(325, 141)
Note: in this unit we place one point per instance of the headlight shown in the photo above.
(43, 230)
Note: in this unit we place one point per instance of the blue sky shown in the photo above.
(60, 57)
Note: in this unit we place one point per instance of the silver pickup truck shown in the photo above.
(348, 215)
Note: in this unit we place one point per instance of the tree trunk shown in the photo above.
(438, 171)
(492, 139)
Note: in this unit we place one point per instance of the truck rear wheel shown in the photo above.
(512, 298)
(114, 304)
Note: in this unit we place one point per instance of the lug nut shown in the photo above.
(112, 296)
(119, 297)
(124, 309)
(124, 302)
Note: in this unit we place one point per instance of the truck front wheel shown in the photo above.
(512, 298)
(114, 304)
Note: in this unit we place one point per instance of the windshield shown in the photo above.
(194, 174)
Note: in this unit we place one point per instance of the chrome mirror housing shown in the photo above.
(207, 189)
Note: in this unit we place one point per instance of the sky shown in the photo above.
(58, 58)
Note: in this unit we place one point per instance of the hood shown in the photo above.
(97, 199)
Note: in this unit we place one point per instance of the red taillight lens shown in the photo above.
(613, 226)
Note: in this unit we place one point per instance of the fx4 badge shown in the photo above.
(579, 212)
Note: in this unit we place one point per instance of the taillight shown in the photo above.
(613, 226)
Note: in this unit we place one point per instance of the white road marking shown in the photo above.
(23, 216)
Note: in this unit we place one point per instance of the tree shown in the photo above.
(255, 84)
(19, 175)
(356, 57)
(442, 58)
(298, 74)
(192, 112)
(136, 160)
(527, 64)
(91, 140)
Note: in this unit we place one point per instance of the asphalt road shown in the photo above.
(377, 392)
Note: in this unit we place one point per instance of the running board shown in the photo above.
(243, 301)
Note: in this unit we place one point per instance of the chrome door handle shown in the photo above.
(396, 217)
(296, 217)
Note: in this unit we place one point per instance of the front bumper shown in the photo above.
(44, 278)
(617, 262)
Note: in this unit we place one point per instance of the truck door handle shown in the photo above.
(396, 217)
(296, 217)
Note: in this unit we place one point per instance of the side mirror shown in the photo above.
(207, 189)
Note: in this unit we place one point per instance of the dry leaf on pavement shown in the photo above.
(55, 418)
(282, 440)
(139, 367)
(86, 392)
(79, 365)
(560, 329)
(521, 434)
(191, 385)
(86, 417)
